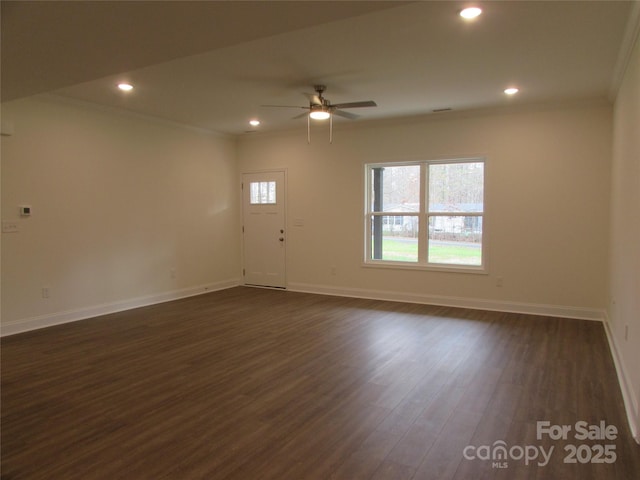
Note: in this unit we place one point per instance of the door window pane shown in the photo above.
(262, 193)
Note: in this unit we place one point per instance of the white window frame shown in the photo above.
(423, 218)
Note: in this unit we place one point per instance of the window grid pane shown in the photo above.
(397, 240)
(399, 190)
(455, 240)
(456, 187)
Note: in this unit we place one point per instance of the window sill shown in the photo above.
(480, 270)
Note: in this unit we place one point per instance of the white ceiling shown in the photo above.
(213, 64)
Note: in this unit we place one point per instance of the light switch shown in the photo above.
(10, 227)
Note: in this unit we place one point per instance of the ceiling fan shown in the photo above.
(320, 108)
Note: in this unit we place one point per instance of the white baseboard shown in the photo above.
(448, 301)
(42, 321)
(628, 395)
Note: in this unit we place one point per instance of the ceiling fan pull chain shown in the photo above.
(331, 129)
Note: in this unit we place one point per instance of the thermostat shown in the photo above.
(25, 210)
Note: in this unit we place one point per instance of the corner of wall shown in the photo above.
(623, 315)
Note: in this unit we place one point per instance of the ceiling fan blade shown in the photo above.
(349, 115)
(300, 116)
(368, 103)
(284, 106)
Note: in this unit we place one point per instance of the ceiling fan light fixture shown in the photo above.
(470, 13)
(319, 113)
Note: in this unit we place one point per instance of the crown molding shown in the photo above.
(63, 100)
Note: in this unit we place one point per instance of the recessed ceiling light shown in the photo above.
(254, 123)
(125, 87)
(511, 90)
(471, 12)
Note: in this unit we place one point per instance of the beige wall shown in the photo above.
(547, 206)
(624, 307)
(118, 203)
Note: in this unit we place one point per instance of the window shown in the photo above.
(262, 193)
(426, 214)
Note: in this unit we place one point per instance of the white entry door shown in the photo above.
(264, 239)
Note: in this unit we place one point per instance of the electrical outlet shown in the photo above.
(499, 282)
(333, 269)
(172, 273)
(45, 292)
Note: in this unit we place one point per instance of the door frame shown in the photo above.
(282, 170)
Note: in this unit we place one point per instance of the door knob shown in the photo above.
(281, 239)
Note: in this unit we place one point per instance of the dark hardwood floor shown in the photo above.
(262, 384)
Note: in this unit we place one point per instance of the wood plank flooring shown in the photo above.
(261, 384)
